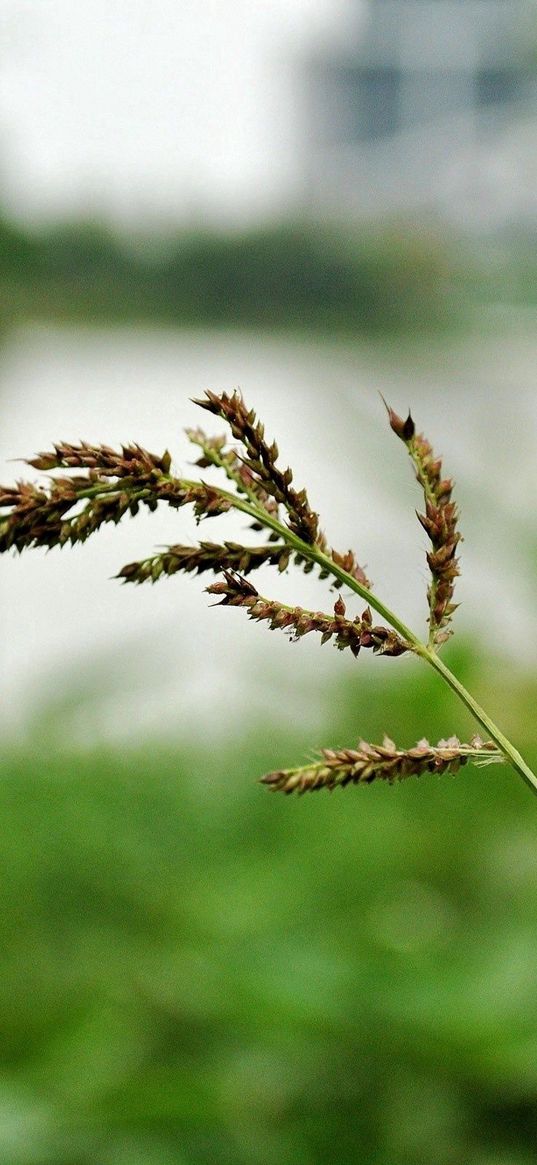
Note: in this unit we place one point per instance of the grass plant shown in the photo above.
(105, 485)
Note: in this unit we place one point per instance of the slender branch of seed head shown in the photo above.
(116, 484)
(216, 557)
(261, 459)
(103, 461)
(207, 556)
(440, 524)
(385, 762)
(236, 591)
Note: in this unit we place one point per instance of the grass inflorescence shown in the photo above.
(102, 485)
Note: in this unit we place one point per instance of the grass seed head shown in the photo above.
(102, 485)
(339, 767)
(439, 522)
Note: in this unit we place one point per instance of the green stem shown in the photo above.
(509, 751)
(421, 649)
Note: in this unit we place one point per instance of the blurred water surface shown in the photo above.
(157, 656)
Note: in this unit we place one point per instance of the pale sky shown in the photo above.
(139, 110)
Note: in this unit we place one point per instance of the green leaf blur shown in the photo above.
(198, 972)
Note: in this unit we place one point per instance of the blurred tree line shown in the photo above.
(302, 276)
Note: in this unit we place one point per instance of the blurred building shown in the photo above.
(427, 105)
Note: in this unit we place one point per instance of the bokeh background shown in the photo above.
(316, 203)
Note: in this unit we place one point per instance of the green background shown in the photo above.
(196, 970)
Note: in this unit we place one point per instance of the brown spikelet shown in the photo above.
(384, 762)
(439, 522)
(260, 458)
(348, 563)
(236, 591)
(101, 460)
(71, 508)
(256, 472)
(207, 556)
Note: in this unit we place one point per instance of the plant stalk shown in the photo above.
(425, 652)
(509, 751)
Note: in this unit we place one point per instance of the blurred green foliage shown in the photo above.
(301, 276)
(197, 972)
